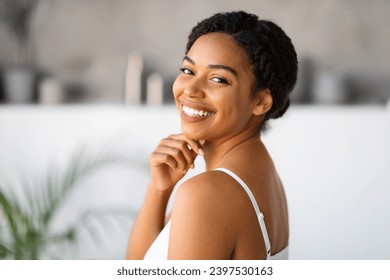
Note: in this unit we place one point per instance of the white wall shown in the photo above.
(335, 165)
(334, 162)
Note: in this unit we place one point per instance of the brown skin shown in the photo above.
(212, 216)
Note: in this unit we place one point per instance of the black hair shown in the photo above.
(268, 48)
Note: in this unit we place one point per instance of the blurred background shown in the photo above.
(98, 74)
(82, 48)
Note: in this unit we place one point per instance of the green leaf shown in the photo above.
(12, 214)
(28, 234)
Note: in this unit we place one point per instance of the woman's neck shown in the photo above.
(215, 152)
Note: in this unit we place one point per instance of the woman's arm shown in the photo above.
(168, 163)
(149, 223)
(202, 224)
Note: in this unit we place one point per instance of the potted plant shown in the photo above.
(19, 77)
(26, 223)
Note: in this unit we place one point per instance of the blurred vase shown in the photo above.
(133, 79)
(50, 92)
(19, 85)
(154, 89)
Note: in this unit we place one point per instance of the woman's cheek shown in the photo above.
(176, 89)
(177, 85)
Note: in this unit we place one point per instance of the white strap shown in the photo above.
(260, 215)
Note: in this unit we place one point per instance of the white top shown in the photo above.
(159, 248)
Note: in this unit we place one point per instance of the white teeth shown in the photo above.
(193, 112)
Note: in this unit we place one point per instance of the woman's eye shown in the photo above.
(186, 71)
(219, 80)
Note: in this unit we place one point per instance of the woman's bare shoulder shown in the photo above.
(209, 195)
(204, 186)
(201, 223)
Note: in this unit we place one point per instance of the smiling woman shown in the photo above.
(217, 77)
(236, 74)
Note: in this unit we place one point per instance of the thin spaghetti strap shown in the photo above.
(260, 215)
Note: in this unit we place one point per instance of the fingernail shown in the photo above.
(201, 152)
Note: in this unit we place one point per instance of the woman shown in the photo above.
(236, 74)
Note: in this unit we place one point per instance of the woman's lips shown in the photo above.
(191, 112)
(195, 112)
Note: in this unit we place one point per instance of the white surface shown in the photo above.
(334, 162)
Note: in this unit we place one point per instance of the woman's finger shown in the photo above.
(157, 159)
(193, 144)
(177, 154)
(181, 145)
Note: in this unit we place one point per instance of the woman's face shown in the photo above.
(213, 92)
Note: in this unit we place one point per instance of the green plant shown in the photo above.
(25, 232)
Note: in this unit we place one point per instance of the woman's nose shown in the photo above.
(194, 88)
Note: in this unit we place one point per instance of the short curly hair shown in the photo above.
(268, 48)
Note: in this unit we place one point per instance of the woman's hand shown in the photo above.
(171, 160)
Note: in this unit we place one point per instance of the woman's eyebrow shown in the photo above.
(223, 67)
(214, 66)
(189, 60)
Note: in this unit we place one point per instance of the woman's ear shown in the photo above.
(263, 102)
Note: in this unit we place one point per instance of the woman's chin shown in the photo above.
(191, 134)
